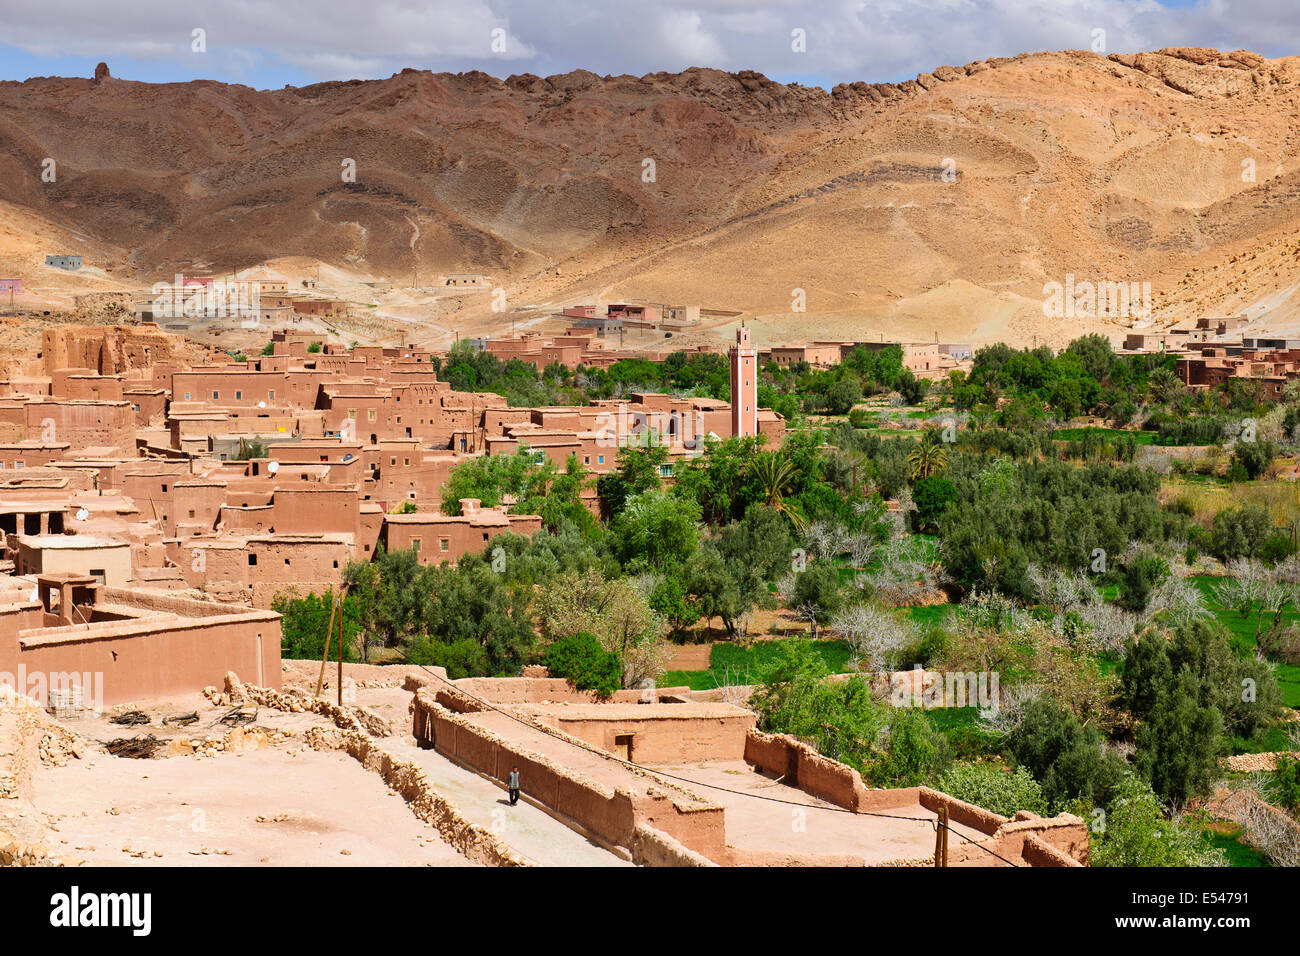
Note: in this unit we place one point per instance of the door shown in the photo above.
(623, 746)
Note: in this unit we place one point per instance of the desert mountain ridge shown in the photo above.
(937, 208)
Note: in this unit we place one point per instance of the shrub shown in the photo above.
(586, 665)
(994, 787)
(1064, 756)
(1286, 783)
(1239, 532)
(1253, 457)
(1135, 832)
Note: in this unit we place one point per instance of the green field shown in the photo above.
(1227, 837)
(1243, 631)
(733, 664)
(1076, 434)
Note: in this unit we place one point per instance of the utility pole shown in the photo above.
(336, 606)
(941, 838)
(341, 670)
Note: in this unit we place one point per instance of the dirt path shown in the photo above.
(527, 830)
(268, 808)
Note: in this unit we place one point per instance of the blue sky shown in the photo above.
(268, 45)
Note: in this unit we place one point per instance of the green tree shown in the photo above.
(929, 459)
(1178, 742)
(1065, 757)
(816, 594)
(995, 788)
(249, 449)
(656, 529)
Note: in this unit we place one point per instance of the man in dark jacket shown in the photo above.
(512, 782)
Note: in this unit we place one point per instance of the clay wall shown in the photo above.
(611, 814)
(151, 656)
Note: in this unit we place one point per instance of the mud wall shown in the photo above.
(610, 814)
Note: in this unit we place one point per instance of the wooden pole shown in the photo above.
(943, 835)
(325, 655)
(341, 647)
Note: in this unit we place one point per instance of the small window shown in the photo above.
(444, 544)
(415, 545)
(191, 512)
(238, 394)
(216, 394)
(252, 562)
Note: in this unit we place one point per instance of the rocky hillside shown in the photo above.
(939, 206)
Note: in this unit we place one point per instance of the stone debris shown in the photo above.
(1251, 763)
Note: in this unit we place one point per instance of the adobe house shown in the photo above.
(819, 354)
(31, 454)
(253, 569)
(106, 560)
(83, 424)
(465, 280)
(436, 538)
(117, 645)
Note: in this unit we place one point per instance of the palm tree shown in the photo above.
(775, 475)
(1165, 386)
(928, 460)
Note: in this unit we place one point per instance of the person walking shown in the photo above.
(512, 783)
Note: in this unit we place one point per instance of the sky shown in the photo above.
(268, 44)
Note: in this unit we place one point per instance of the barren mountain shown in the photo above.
(936, 207)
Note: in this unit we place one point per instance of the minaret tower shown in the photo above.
(744, 385)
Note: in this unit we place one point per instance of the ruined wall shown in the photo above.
(1047, 841)
(802, 766)
(107, 349)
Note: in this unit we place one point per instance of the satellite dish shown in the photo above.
(261, 404)
(35, 595)
(273, 466)
(82, 514)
